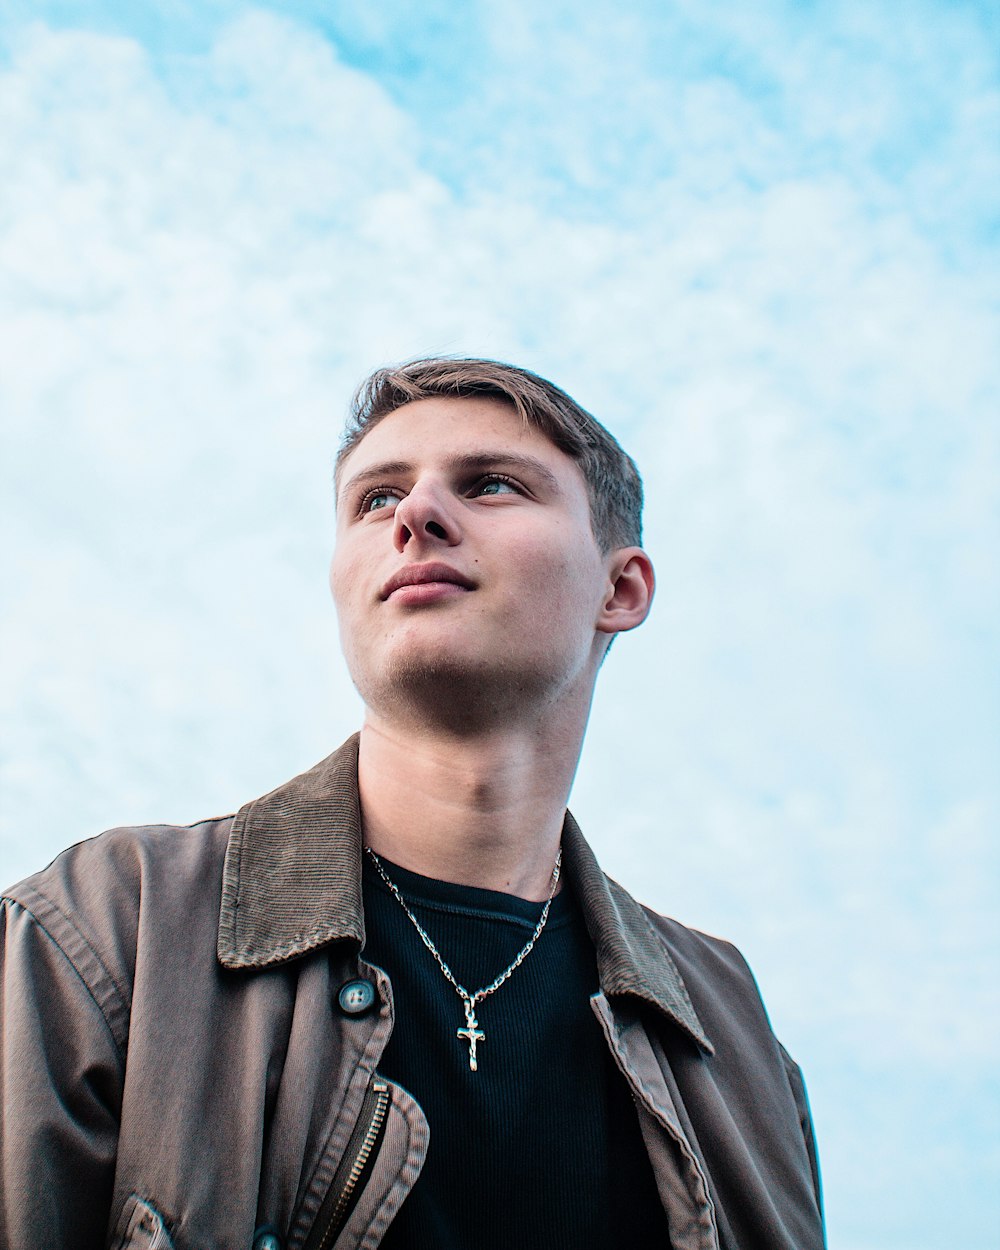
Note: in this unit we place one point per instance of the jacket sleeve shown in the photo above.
(61, 1073)
(805, 1120)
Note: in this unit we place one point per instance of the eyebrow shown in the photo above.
(478, 461)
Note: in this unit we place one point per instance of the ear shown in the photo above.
(630, 591)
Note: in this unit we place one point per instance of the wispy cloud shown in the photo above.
(759, 242)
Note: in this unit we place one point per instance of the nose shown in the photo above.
(426, 515)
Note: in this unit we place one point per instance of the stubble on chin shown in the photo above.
(451, 693)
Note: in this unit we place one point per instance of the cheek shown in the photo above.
(343, 569)
(558, 579)
(341, 581)
(335, 585)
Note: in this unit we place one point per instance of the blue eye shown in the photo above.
(378, 501)
(496, 486)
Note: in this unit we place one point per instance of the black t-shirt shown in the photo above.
(540, 1146)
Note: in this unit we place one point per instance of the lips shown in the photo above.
(422, 575)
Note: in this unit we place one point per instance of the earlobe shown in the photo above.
(632, 585)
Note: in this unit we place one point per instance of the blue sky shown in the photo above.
(761, 243)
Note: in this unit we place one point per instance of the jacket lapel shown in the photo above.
(292, 875)
(632, 958)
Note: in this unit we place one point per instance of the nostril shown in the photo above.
(432, 527)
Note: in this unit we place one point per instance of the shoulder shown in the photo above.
(118, 866)
(727, 999)
(720, 983)
(101, 899)
(749, 1075)
(705, 954)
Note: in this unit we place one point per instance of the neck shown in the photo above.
(482, 810)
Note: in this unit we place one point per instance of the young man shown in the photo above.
(395, 1002)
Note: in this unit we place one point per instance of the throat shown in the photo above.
(491, 819)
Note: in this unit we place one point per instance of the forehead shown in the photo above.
(430, 432)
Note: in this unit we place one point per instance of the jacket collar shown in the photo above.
(292, 883)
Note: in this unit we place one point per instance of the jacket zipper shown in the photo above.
(347, 1183)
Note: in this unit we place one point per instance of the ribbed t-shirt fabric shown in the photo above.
(541, 1146)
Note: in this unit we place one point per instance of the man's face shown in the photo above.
(466, 567)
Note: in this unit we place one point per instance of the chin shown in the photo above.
(439, 685)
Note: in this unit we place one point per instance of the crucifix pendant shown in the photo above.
(472, 1032)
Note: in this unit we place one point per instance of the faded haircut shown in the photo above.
(613, 483)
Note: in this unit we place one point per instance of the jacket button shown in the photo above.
(356, 997)
(264, 1239)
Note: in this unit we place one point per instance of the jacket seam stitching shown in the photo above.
(43, 928)
(319, 1182)
(123, 998)
(673, 1129)
(232, 888)
(677, 1133)
(417, 1139)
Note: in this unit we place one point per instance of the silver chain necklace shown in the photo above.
(472, 1032)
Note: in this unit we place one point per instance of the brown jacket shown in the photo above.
(178, 1070)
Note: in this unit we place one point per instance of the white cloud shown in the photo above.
(738, 265)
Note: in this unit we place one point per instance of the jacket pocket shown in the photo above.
(140, 1227)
